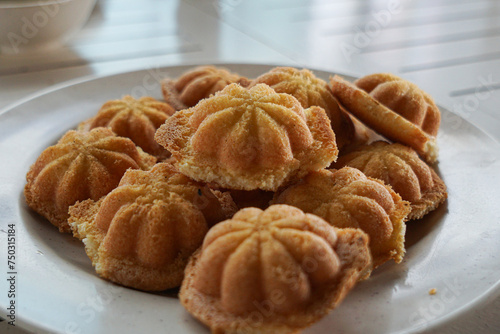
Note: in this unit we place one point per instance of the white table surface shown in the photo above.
(450, 48)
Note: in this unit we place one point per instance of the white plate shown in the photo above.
(454, 250)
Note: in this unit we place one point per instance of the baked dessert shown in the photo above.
(272, 271)
(81, 165)
(249, 139)
(310, 91)
(136, 119)
(197, 84)
(142, 233)
(395, 108)
(400, 167)
(347, 198)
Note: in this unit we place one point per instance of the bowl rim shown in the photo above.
(11, 4)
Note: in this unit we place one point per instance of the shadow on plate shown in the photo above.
(418, 229)
(51, 242)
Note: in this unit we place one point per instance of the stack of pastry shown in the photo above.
(267, 201)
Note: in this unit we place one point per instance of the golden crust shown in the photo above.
(347, 198)
(249, 139)
(134, 119)
(272, 271)
(395, 108)
(142, 233)
(310, 91)
(81, 165)
(400, 167)
(197, 84)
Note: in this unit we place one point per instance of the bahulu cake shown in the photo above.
(393, 107)
(81, 165)
(400, 167)
(136, 119)
(347, 198)
(197, 84)
(272, 271)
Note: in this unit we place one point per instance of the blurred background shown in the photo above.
(450, 48)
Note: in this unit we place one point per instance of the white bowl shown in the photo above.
(31, 25)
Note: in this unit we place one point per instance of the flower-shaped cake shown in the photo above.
(347, 198)
(197, 84)
(400, 167)
(142, 233)
(272, 271)
(136, 119)
(81, 165)
(395, 108)
(249, 139)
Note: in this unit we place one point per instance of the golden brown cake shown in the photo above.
(272, 271)
(81, 165)
(347, 198)
(400, 167)
(249, 139)
(142, 233)
(197, 84)
(395, 108)
(310, 91)
(136, 119)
